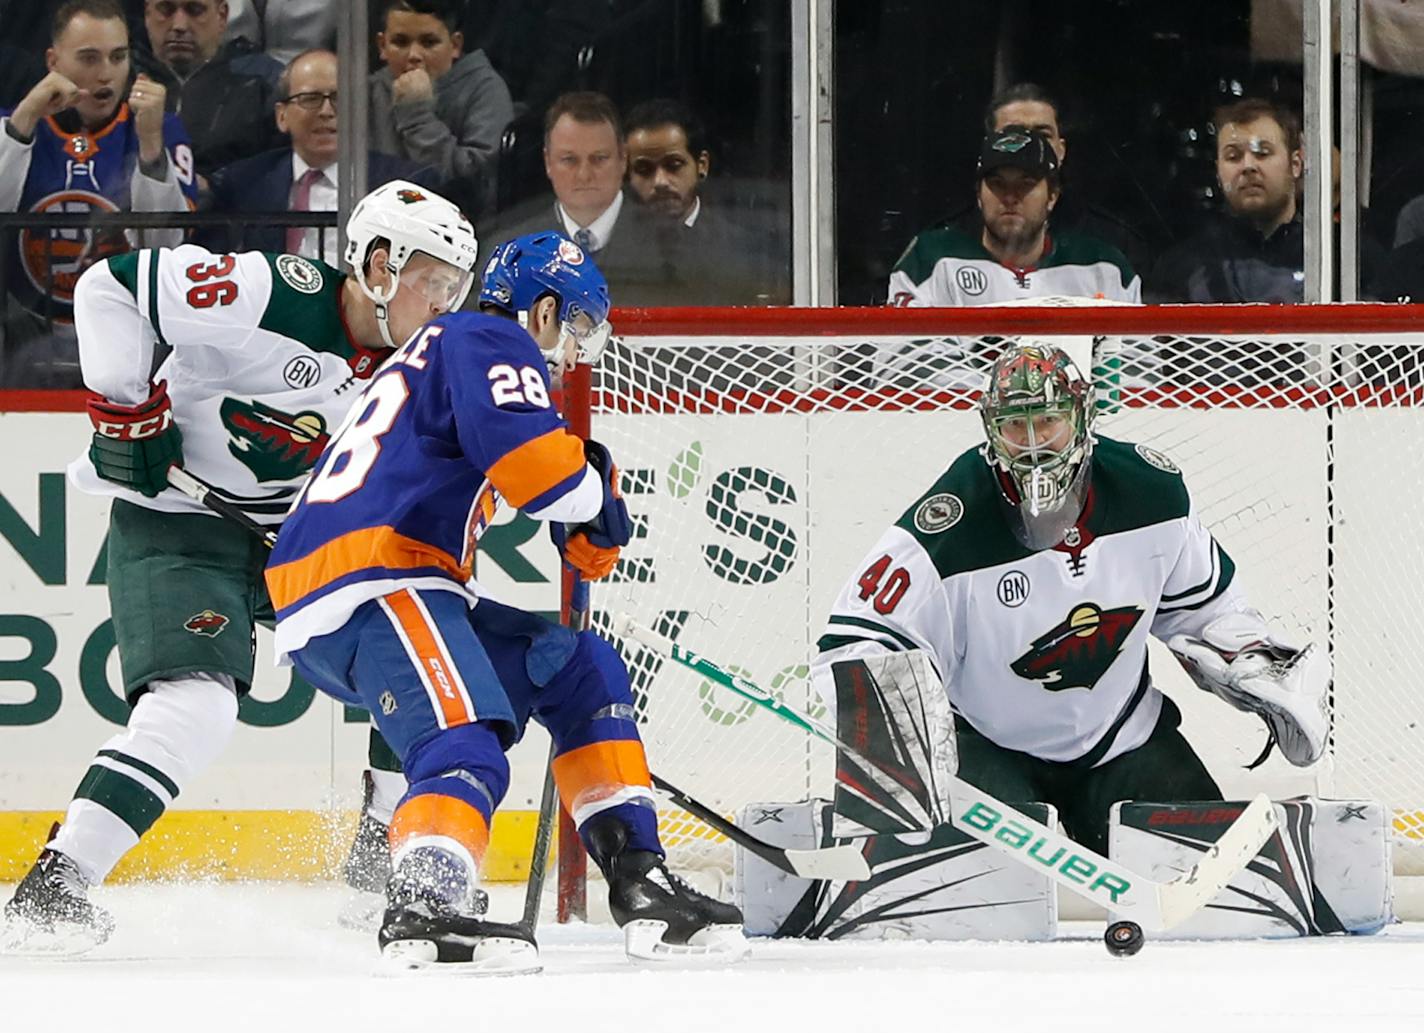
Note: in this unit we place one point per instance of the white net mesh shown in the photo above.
(760, 469)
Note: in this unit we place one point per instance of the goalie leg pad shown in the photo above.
(1327, 870)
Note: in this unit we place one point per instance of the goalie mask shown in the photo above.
(1038, 413)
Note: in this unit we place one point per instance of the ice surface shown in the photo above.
(268, 958)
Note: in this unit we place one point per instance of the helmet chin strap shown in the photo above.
(382, 302)
(383, 323)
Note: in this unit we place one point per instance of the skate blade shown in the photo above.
(715, 945)
(496, 956)
(22, 938)
(362, 912)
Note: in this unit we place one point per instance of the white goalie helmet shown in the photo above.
(1038, 417)
(412, 219)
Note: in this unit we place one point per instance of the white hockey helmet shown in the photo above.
(411, 218)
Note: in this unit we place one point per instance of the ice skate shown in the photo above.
(367, 870)
(662, 916)
(50, 913)
(432, 923)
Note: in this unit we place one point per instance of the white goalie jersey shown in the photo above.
(259, 365)
(1042, 652)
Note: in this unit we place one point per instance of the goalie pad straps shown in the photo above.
(1238, 659)
(893, 710)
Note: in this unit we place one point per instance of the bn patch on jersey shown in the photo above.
(1157, 459)
(938, 513)
(299, 274)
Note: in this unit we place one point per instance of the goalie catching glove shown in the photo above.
(591, 548)
(134, 445)
(1238, 659)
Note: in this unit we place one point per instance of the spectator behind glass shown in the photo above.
(1030, 105)
(300, 177)
(437, 106)
(1013, 256)
(285, 28)
(704, 257)
(1255, 250)
(224, 92)
(585, 161)
(75, 145)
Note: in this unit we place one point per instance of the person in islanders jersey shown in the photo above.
(375, 605)
(266, 353)
(1031, 574)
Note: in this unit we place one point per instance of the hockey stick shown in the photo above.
(201, 491)
(1155, 905)
(843, 863)
(539, 859)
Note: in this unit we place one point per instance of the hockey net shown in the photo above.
(763, 452)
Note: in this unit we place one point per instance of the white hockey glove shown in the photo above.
(1238, 659)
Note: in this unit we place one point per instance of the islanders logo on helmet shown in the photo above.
(571, 252)
(526, 268)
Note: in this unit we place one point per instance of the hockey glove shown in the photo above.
(1238, 659)
(134, 445)
(592, 547)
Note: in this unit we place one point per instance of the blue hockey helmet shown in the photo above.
(527, 268)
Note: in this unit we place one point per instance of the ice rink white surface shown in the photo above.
(264, 958)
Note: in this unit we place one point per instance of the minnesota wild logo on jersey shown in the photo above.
(274, 445)
(1078, 650)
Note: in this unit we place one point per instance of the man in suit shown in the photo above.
(302, 176)
(585, 161)
(705, 257)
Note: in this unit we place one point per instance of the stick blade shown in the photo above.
(841, 863)
(1187, 894)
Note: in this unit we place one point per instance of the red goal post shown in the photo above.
(764, 450)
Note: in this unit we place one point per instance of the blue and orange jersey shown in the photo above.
(458, 419)
(78, 171)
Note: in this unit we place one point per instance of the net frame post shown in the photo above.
(572, 882)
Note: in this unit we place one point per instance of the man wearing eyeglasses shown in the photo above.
(301, 177)
(223, 92)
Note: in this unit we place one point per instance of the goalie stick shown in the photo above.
(1155, 905)
(842, 863)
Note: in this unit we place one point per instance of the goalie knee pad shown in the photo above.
(177, 728)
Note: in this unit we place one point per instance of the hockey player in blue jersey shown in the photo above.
(375, 604)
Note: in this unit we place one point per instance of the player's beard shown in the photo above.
(1015, 241)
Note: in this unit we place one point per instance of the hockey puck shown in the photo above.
(1123, 939)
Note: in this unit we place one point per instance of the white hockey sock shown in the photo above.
(387, 788)
(176, 730)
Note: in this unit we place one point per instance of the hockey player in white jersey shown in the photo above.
(1032, 573)
(265, 353)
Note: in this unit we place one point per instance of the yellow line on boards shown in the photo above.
(265, 845)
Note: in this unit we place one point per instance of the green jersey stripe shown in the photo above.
(879, 629)
(144, 767)
(1198, 589)
(124, 268)
(826, 643)
(153, 256)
